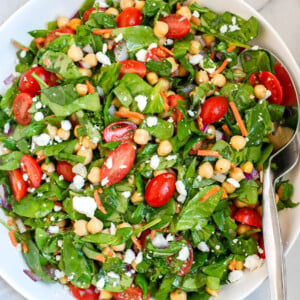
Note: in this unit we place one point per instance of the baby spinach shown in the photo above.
(256, 61)
(10, 161)
(162, 68)
(62, 44)
(8, 98)
(101, 20)
(163, 130)
(248, 192)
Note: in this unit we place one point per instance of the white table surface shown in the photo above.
(284, 16)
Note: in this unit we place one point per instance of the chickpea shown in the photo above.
(136, 197)
(228, 187)
(162, 41)
(52, 131)
(48, 168)
(85, 72)
(260, 91)
(238, 142)
(219, 80)
(159, 172)
(239, 75)
(62, 21)
(91, 60)
(77, 147)
(63, 134)
(206, 170)
(80, 169)
(195, 47)
(105, 295)
(247, 167)
(152, 78)
(82, 89)
(87, 154)
(240, 204)
(116, 102)
(94, 226)
(75, 130)
(112, 11)
(126, 3)
(165, 84)
(94, 175)
(80, 228)
(211, 130)
(108, 250)
(40, 154)
(88, 144)
(64, 280)
(141, 136)
(185, 12)
(123, 109)
(237, 174)
(209, 39)
(124, 225)
(136, 121)
(178, 295)
(211, 292)
(243, 228)
(131, 179)
(182, 71)
(174, 64)
(160, 29)
(119, 248)
(222, 165)
(61, 224)
(75, 53)
(164, 148)
(239, 265)
(202, 77)
(277, 198)
(139, 5)
(74, 23)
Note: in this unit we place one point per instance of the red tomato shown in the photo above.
(132, 66)
(261, 245)
(31, 168)
(213, 109)
(156, 54)
(233, 210)
(289, 93)
(132, 293)
(65, 169)
(253, 79)
(29, 85)
(160, 189)
(84, 294)
(130, 16)
(248, 216)
(121, 131)
(87, 13)
(117, 164)
(143, 237)
(20, 107)
(53, 35)
(179, 26)
(17, 184)
(187, 265)
(271, 82)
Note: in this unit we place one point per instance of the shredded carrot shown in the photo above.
(10, 222)
(110, 253)
(62, 33)
(90, 87)
(152, 234)
(102, 31)
(225, 195)
(13, 239)
(178, 6)
(100, 191)
(99, 203)
(129, 114)
(39, 41)
(100, 258)
(195, 21)
(109, 46)
(210, 193)
(226, 129)
(199, 123)
(160, 52)
(177, 208)
(212, 56)
(208, 153)
(24, 247)
(231, 48)
(57, 252)
(238, 118)
(136, 242)
(231, 265)
(19, 46)
(166, 230)
(165, 99)
(166, 50)
(221, 68)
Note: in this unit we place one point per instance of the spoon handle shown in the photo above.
(272, 240)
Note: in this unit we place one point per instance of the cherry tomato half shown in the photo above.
(132, 293)
(130, 16)
(261, 245)
(160, 189)
(179, 26)
(156, 54)
(65, 169)
(132, 66)
(53, 35)
(187, 265)
(248, 216)
(88, 12)
(271, 82)
(118, 164)
(20, 107)
(17, 184)
(289, 94)
(29, 85)
(253, 79)
(121, 131)
(31, 168)
(84, 294)
(213, 109)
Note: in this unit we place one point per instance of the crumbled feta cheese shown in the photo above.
(88, 49)
(154, 162)
(41, 140)
(233, 28)
(60, 243)
(139, 258)
(151, 121)
(183, 254)
(103, 59)
(169, 42)
(170, 237)
(61, 178)
(129, 256)
(23, 53)
(181, 198)
(253, 262)
(199, 178)
(180, 187)
(25, 177)
(119, 38)
(78, 182)
(34, 99)
(141, 102)
(38, 105)
(104, 48)
(217, 247)
(57, 208)
(126, 194)
(53, 229)
(112, 110)
(31, 190)
(223, 28)
(58, 274)
(113, 275)
(38, 116)
(255, 48)
(66, 125)
(159, 241)
(202, 246)
(196, 14)
(80, 169)
(104, 181)
(112, 229)
(141, 55)
(235, 183)
(85, 205)
(191, 113)
(235, 275)
(109, 163)
(58, 139)
(171, 157)
(195, 59)
(100, 283)
(58, 257)
(102, 3)
(153, 45)
(6, 128)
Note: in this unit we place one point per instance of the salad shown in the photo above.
(132, 146)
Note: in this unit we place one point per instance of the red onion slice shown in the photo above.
(10, 79)
(121, 52)
(31, 275)
(3, 201)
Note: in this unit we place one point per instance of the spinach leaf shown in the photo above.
(165, 287)
(61, 44)
(243, 245)
(155, 102)
(9, 97)
(163, 130)
(247, 192)
(276, 112)
(10, 161)
(256, 61)
(181, 46)
(162, 68)
(192, 282)
(123, 94)
(217, 269)
(153, 7)
(101, 20)
(85, 6)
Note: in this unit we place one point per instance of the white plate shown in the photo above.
(34, 15)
